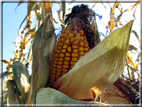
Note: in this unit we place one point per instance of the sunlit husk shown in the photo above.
(99, 68)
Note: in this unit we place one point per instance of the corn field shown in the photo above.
(70, 55)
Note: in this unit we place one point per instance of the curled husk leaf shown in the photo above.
(99, 68)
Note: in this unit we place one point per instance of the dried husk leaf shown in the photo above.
(42, 48)
(112, 95)
(11, 95)
(52, 96)
(99, 68)
(21, 78)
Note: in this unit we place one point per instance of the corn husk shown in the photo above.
(52, 96)
(21, 78)
(99, 68)
(43, 45)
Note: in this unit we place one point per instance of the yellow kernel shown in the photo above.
(56, 55)
(60, 44)
(74, 32)
(74, 46)
(55, 59)
(75, 50)
(64, 30)
(81, 49)
(61, 59)
(67, 32)
(64, 70)
(54, 65)
(59, 40)
(65, 36)
(57, 51)
(74, 59)
(57, 76)
(62, 55)
(66, 62)
(61, 36)
(63, 50)
(70, 27)
(59, 67)
(85, 38)
(81, 53)
(81, 32)
(59, 48)
(69, 49)
(71, 66)
(62, 40)
(63, 73)
(67, 58)
(72, 40)
(71, 35)
(65, 46)
(67, 54)
(67, 42)
(74, 55)
(73, 63)
(81, 44)
(81, 38)
(54, 68)
(58, 71)
(60, 63)
(54, 62)
(65, 66)
(86, 45)
(86, 49)
(75, 43)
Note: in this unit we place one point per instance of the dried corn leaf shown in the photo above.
(131, 47)
(52, 96)
(100, 67)
(111, 24)
(42, 47)
(131, 62)
(46, 8)
(20, 2)
(31, 31)
(135, 33)
(11, 92)
(5, 61)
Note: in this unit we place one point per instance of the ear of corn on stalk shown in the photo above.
(72, 45)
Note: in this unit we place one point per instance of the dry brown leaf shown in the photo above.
(7, 62)
(46, 8)
(111, 24)
(31, 31)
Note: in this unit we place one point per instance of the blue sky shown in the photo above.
(11, 21)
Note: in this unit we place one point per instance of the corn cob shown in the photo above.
(72, 44)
